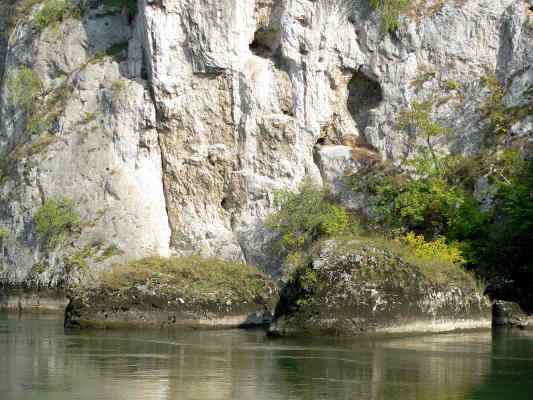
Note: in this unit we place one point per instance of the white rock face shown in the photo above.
(178, 147)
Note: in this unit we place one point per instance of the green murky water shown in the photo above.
(38, 360)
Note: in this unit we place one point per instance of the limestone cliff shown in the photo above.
(171, 124)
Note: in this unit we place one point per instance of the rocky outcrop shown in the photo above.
(172, 126)
(32, 301)
(176, 292)
(509, 314)
(358, 287)
(136, 308)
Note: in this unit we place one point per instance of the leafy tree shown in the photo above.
(507, 245)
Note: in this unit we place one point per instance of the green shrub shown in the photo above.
(424, 196)
(506, 247)
(78, 260)
(433, 195)
(110, 251)
(52, 13)
(304, 216)
(452, 84)
(390, 11)
(24, 87)
(55, 220)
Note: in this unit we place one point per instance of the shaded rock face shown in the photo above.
(175, 142)
(509, 314)
(362, 289)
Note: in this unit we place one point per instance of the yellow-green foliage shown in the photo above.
(193, 277)
(437, 249)
(55, 220)
(390, 11)
(4, 234)
(24, 87)
(452, 84)
(304, 216)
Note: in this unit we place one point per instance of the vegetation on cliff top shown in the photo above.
(193, 278)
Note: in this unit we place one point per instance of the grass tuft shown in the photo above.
(195, 278)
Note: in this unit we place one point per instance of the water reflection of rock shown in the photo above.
(511, 374)
(219, 365)
(425, 367)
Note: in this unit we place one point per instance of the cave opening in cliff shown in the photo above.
(364, 95)
(265, 42)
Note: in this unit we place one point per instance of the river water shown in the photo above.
(39, 360)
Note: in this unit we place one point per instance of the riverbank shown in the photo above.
(51, 302)
(33, 300)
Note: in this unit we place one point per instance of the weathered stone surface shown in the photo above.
(509, 314)
(105, 309)
(176, 144)
(182, 292)
(32, 301)
(353, 288)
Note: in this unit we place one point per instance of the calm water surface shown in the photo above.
(39, 360)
